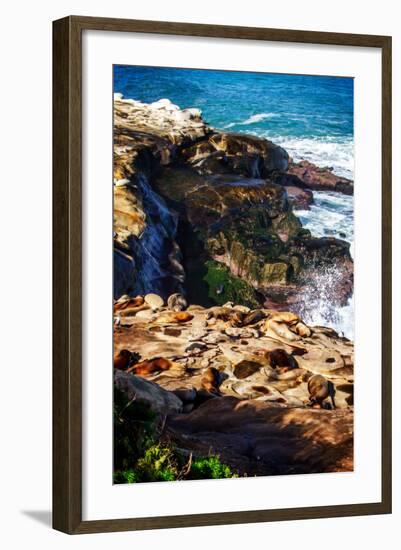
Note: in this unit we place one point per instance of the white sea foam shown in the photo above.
(318, 306)
(337, 153)
(252, 119)
(332, 214)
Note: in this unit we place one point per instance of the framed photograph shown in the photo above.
(222, 275)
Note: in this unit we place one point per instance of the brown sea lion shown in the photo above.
(131, 302)
(319, 389)
(232, 316)
(122, 359)
(253, 317)
(210, 380)
(280, 358)
(151, 366)
(286, 325)
(177, 302)
(175, 317)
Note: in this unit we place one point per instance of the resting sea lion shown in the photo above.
(157, 364)
(130, 302)
(211, 380)
(177, 302)
(122, 359)
(232, 316)
(280, 358)
(253, 317)
(287, 325)
(175, 317)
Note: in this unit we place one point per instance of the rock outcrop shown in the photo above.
(260, 416)
(189, 200)
(148, 393)
(305, 174)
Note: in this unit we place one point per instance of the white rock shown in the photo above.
(154, 301)
(160, 104)
(194, 113)
(118, 97)
(121, 183)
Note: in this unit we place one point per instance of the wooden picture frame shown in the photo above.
(67, 274)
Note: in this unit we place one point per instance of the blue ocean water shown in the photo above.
(311, 116)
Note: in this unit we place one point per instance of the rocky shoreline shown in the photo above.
(240, 386)
(210, 266)
(187, 196)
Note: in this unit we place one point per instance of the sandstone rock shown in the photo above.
(148, 393)
(145, 314)
(197, 334)
(320, 178)
(154, 301)
(279, 440)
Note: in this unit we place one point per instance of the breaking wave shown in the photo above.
(318, 307)
(252, 119)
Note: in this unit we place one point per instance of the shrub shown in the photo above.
(209, 468)
(140, 457)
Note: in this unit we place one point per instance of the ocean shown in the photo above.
(312, 117)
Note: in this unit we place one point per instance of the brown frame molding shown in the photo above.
(67, 274)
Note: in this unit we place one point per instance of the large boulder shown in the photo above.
(307, 174)
(148, 393)
(242, 154)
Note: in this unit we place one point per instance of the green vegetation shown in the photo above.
(209, 468)
(140, 456)
(224, 287)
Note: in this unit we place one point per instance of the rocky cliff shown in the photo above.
(211, 213)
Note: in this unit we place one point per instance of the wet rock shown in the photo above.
(300, 199)
(314, 177)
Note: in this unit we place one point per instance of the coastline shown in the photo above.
(304, 184)
(212, 271)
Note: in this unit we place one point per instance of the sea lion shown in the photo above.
(151, 366)
(128, 303)
(177, 302)
(210, 380)
(232, 316)
(122, 359)
(287, 325)
(280, 358)
(175, 317)
(319, 389)
(253, 317)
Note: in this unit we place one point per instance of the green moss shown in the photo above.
(224, 287)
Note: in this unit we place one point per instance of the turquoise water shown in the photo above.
(311, 116)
